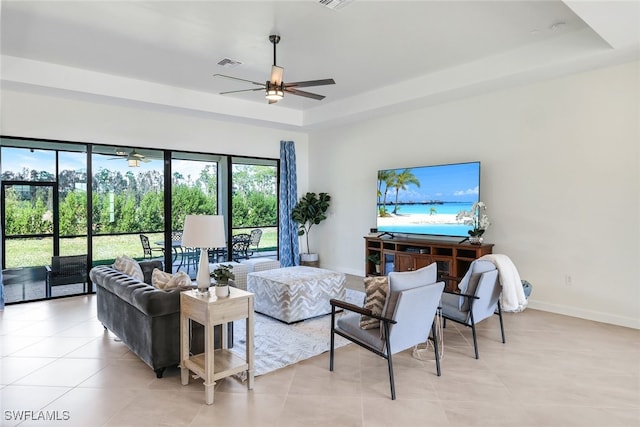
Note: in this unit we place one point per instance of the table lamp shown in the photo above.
(204, 232)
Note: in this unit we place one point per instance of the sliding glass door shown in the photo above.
(254, 204)
(127, 203)
(28, 230)
(195, 190)
(44, 217)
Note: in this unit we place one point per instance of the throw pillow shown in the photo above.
(376, 289)
(163, 280)
(129, 266)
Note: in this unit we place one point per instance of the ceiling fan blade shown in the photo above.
(322, 82)
(237, 78)
(303, 93)
(242, 90)
(276, 74)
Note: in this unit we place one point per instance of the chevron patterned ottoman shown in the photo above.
(293, 294)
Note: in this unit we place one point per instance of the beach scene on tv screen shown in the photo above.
(426, 200)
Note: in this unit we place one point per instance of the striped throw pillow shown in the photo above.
(163, 280)
(376, 289)
(129, 266)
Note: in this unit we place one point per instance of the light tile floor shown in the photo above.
(553, 371)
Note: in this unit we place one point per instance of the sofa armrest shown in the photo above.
(147, 269)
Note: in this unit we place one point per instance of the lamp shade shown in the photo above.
(204, 231)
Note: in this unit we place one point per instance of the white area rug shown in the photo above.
(278, 345)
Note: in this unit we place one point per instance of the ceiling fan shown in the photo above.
(274, 87)
(133, 157)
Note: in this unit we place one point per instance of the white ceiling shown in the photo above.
(384, 55)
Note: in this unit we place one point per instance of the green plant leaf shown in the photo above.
(310, 210)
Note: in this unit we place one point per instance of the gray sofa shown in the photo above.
(145, 318)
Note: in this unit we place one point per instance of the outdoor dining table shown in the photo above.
(215, 254)
(175, 246)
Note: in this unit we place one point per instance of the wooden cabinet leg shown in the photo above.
(250, 353)
(208, 393)
(184, 348)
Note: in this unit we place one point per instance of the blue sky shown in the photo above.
(448, 183)
(15, 159)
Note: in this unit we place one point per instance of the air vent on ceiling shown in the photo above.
(334, 4)
(229, 63)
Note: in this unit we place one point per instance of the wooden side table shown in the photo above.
(209, 311)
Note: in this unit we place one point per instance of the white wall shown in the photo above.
(560, 163)
(53, 117)
(560, 176)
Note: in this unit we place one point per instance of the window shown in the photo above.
(255, 200)
(66, 198)
(194, 186)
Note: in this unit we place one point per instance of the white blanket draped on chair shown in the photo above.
(512, 297)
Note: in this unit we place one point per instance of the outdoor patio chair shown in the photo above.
(254, 240)
(147, 249)
(240, 247)
(190, 258)
(66, 270)
(176, 246)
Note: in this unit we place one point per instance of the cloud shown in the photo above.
(466, 192)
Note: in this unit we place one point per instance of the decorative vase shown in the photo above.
(476, 240)
(222, 290)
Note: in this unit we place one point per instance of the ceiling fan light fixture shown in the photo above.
(274, 92)
(275, 87)
(133, 163)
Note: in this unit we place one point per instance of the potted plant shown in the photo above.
(375, 259)
(477, 219)
(222, 275)
(310, 210)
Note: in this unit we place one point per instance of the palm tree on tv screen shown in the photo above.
(388, 178)
(402, 181)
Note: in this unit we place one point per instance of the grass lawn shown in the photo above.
(38, 252)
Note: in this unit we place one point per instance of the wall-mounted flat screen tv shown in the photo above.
(427, 199)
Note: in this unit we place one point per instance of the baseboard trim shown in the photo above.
(596, 316)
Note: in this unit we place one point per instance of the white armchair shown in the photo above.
(479, 298)
(406, 320)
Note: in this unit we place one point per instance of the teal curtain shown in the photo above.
(288, 243)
